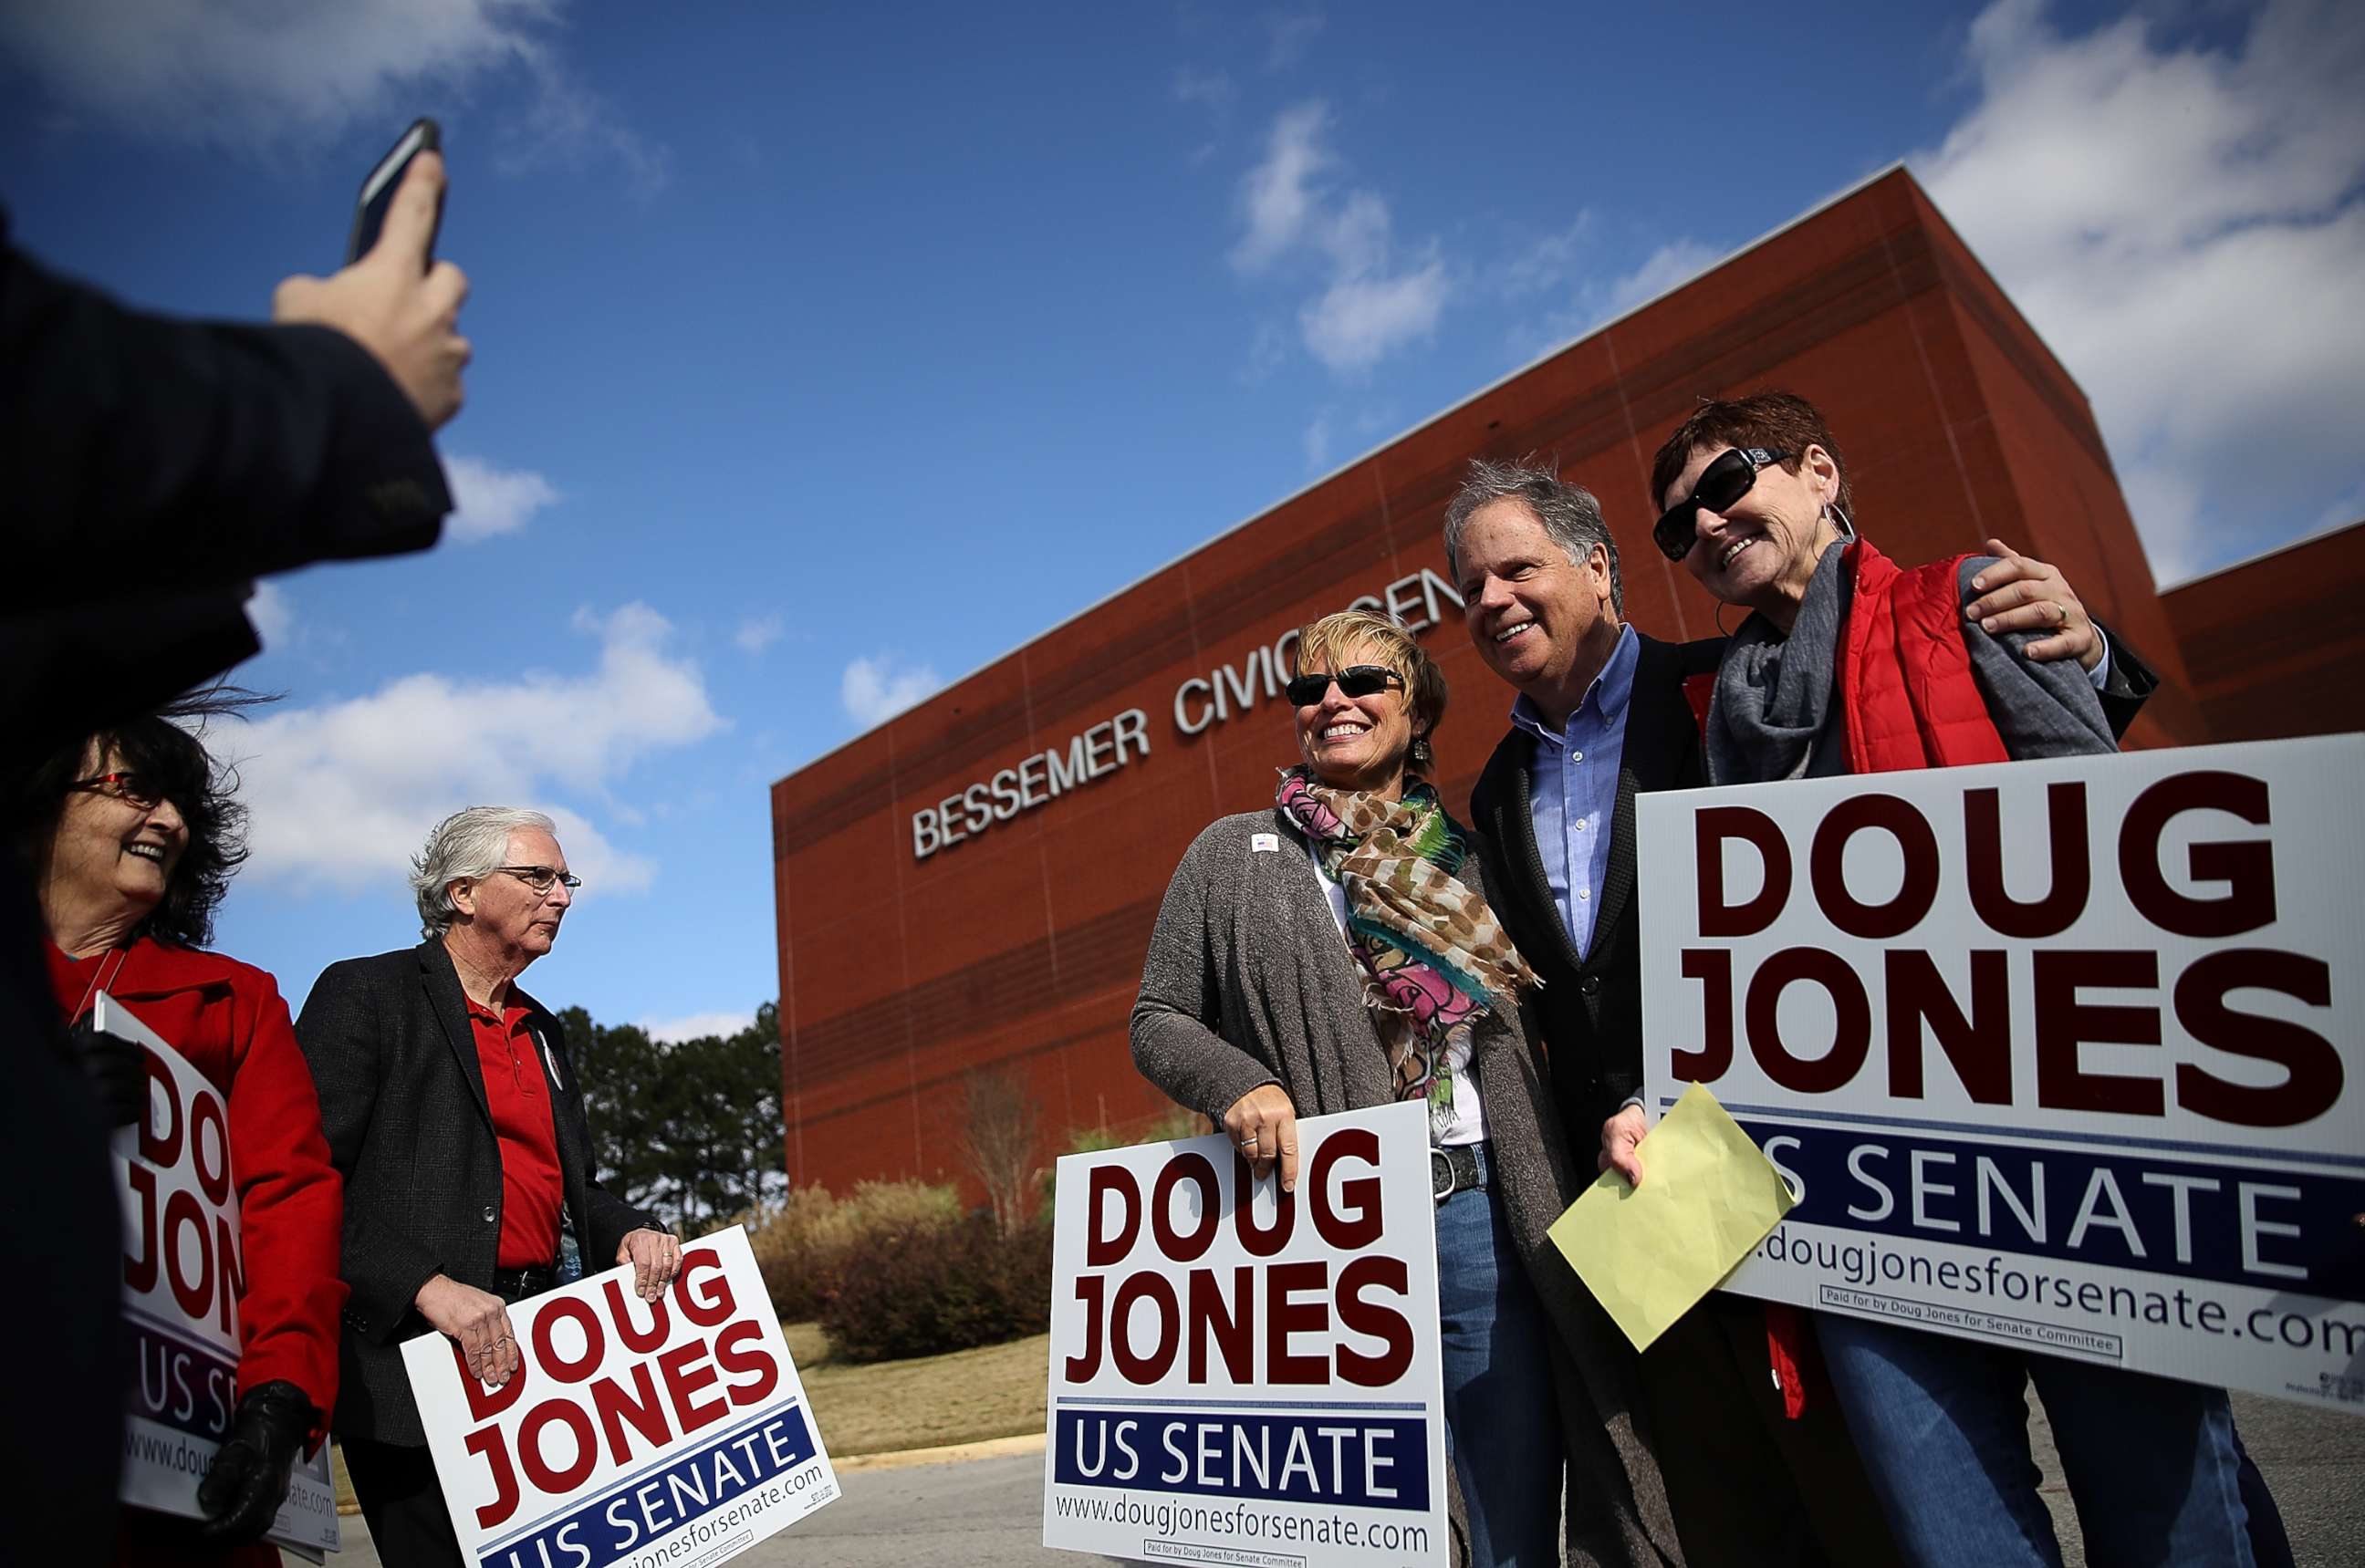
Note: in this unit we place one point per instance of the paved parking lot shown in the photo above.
(988, 1513)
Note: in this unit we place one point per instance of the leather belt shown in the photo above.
(516, 1285)
(1461, 1168)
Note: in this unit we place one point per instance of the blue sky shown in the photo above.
(827, 352)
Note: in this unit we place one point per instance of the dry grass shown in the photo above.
(996, 1391)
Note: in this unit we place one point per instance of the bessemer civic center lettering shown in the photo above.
(1414, 601)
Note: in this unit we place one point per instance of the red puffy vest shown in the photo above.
(1905, 670)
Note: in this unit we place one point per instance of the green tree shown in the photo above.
(691, 1130)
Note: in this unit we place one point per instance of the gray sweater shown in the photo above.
(1248, 982)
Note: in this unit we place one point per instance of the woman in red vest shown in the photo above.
(132, 835)
(1849, 665)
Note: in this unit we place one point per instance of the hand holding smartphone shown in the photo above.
(377, 191)
(392, 296)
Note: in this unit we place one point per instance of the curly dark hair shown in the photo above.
(165, 747)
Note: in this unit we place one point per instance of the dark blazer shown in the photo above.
(1589, 1010)
(210, 453)
(402, 1099)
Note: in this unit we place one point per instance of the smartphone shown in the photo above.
(377, 191)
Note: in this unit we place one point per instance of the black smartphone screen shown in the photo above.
(377, 190)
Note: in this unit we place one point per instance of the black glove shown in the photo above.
(117, 1070)
(242, 1494)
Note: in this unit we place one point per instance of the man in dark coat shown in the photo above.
(1603, 714)
(457, 1123)
(154, 468)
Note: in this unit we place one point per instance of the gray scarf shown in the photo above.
(1772, 692)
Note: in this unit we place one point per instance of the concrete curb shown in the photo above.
(951, 1453)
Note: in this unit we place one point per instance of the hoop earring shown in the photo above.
(1834, 511)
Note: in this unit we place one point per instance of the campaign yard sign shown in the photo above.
(1244, 1376)
(672, 1432)
(182, 1276)
(2066, 1055)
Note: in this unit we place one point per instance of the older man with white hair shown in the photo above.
(457, 1124)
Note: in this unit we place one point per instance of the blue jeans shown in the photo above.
(1502, 1427)
(2152, 1465)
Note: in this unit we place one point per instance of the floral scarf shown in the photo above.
(1435, 960)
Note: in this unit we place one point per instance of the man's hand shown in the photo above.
(1264, 1126)
(655, 1257)
(480, 1320)
(248, 1480)
(2019, 593)
(1621, 1137)
(393, 304)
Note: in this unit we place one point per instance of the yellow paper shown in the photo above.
(1708, 1196)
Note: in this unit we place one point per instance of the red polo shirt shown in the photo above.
(532, 1189)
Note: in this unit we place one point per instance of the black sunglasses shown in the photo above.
(1355, 680)
(1721, 482)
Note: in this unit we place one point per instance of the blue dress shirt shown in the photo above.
(1575, 788)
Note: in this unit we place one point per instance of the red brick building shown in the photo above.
(2275, 646)
(914, 949)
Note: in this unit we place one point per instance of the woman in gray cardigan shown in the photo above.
(1335, 952)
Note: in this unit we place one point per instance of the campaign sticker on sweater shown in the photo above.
(667, 1431)
(1241, 1375)
(2065, 1055)
(182, 1276)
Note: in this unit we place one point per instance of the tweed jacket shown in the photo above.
(402, 1100)
(1247, 982)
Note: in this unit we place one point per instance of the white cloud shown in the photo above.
(875, 689)
(1212, 89)
(2186, 228)
(1278, 193)
(486, 501)
(1677, 262)
(566, 123)
(1358, 321)
(1317, 443)
(1290, 32)
(758, 632)
(343, 793)
(272, 612)
(1365, 306)
(1555, 270)
(1546, 264)
(275, 72)
(695, 1026)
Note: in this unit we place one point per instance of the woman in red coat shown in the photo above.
(133, 836)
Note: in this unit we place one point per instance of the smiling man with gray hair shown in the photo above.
(457, 1124)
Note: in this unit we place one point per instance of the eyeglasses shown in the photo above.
(132, 788)
(1721, 482)
(1355, 680)
(541, 878)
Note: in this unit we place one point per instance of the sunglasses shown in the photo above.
(1721, 482)
(1355, 680)
(132, 788)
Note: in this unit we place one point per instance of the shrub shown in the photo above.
(800, 1247)
(1166, 1126)
(929, 1287)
